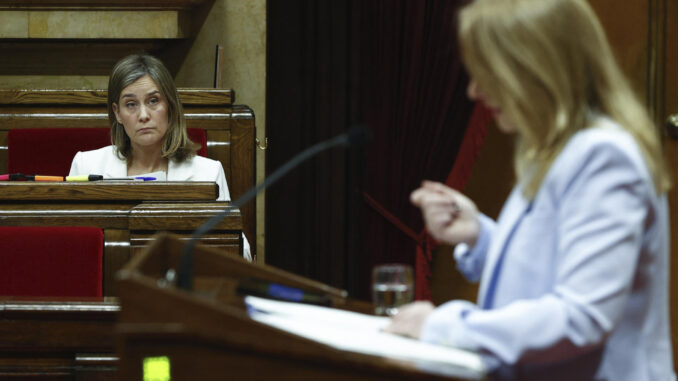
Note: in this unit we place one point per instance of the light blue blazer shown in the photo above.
(574, 283)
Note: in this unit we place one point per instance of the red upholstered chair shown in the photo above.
(51, 261)
(49, 151)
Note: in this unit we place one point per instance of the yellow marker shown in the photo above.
(157, 368)
(77, 178)
(84, 178)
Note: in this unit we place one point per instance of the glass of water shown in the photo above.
(392, 286)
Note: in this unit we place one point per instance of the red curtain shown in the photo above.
(314, 92)
(416, 106)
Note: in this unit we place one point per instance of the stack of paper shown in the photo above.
(361, 333)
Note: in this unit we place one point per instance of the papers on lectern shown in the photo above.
(361, 333)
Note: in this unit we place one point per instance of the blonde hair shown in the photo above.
(549, 66)
(128, 70)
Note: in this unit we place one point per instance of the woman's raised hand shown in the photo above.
(450, 216)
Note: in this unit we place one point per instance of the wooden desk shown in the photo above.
(229, 128)
(62, 339)
(129, 213)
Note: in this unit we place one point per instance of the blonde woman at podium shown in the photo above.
(148, 132)
(574, 274)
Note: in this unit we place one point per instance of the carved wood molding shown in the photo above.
(99, 5)
(84, 37)
(188, 96)
(108, 190)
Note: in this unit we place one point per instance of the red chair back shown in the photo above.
(50, 151)
(51, 261)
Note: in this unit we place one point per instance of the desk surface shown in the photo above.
(108, 190)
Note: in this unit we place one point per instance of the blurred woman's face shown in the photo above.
(142, 110)
(475, 93)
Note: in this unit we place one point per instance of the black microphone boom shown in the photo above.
(353, 137)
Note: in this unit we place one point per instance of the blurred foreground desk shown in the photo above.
(128, 212)
(57, 339)
(207, 334)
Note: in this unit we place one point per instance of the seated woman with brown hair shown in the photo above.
(148, 131)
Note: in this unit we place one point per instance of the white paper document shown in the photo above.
(361, 333)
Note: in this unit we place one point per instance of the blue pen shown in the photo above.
(137, 178)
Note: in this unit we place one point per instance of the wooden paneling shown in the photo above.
(70, 57)
(225, 242)
(99, 5)
(47, 213)
(3, 152)
(67, 37)
(108, 190)
(627, 27)
(187, 96)
(117, 252)
(182, 216)
(58, 339)
(219, 148)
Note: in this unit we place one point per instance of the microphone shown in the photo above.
(355, 136)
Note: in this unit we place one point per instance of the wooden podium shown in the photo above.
(207, 334)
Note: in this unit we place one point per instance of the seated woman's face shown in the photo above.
(142, 110)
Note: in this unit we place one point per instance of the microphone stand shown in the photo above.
(356, 135)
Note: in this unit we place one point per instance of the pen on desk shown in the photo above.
(100, 178)
(84, 178)
(137, 178)
(258, 287)
(12, 176)
(43, 178)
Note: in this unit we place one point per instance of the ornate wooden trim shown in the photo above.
(99, 5)
(188, 96)
(108, 190)
(181, 216)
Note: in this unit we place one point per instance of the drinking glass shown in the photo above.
(392, 286)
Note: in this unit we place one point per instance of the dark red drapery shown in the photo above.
(416, 106)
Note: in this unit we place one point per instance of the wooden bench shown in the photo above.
(128, 213)
(229, 128)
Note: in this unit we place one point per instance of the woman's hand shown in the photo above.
(410, 319)
(450, 216)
